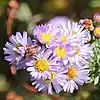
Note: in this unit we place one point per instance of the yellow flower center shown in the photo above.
(60, 52)
(46, 37)
(72, 72)
(63, 39)
(41, 65)
(53, 74)
(97, 30)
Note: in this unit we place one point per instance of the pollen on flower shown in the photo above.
(41, 65)
(18, 45)
(72, 72)
(73, 32)
(46, 37)
(53, 74)
(15, 49)
(60, 52)
(63, 39)
(77, 50)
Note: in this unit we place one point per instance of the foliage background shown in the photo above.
(31, 13)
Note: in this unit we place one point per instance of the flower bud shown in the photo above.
(97, 32)
(11, 95)
(87, 23)
(13, 4)
(97, 17)
(13, 69)
(19, 98)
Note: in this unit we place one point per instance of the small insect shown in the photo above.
(31, 50)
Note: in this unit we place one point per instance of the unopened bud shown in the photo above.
(13, 4)
(97, 32)
(19, 98)
(97, 17)
(11, 95)
(87, 23)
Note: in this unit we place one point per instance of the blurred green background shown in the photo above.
(29, 14)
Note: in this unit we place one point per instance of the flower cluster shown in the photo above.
(57, 58)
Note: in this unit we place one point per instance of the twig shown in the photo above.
(13, 6)
(12, 15)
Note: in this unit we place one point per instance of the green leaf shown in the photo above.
(96, 80)
(94, 3)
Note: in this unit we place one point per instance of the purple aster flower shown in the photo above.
(31, 50)
(77, 30)
(15, 49)
(20, 48)
(59, 20)
(63, 52)
(75, 76)
(42, 63)
(65, 37)
(52, 84)
(45, 34)
(83, 53)
(71, 33)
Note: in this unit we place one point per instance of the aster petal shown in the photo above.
(56, 86)
(25, 37)
(49, 89)
(30, 69)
